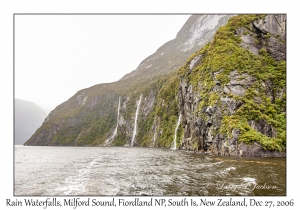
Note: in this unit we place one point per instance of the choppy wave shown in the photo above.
(139, 171)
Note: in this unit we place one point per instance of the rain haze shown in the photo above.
(58, 55)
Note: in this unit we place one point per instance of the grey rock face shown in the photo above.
(273, 24)
(195, 61)
(235, 136)
(149, 102)
(194, 34)
(263, 127)
(273, 28)
(231, 104)
(238, 83)
(200, 30)
(255, 150)
(276, 48)
(203, 128)
(81, 99)
(235, 90)
(249, 43)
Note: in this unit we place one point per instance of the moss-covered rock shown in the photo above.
(241, 84)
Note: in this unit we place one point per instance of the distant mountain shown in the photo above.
(28, 117)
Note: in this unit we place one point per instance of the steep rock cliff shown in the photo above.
(233, 102)
(89, 117)
(229, 98)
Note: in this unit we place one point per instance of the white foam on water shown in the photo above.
(225, 172)
(249, 180)
(75, 184)
(230, 168)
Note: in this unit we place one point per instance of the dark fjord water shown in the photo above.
(142, 171)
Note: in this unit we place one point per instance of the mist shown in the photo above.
(58, 55)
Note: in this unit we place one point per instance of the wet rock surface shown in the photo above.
(272, 29)
(202, 127)
(238, 83)
(201, 115)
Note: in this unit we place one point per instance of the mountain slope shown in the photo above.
(28, 118)
(194, 34)
(89, 117)
(228, 98)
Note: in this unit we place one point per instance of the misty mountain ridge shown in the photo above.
(195, 33)
(28, 117)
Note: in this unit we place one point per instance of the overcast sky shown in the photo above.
(57, 55)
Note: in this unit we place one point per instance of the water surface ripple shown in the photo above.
(142, 171)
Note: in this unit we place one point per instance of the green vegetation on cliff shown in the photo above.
(236, 88)
(264, 100)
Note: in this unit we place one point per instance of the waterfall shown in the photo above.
(178, 123)
(154, 137)
(115, 132)
(135, 120)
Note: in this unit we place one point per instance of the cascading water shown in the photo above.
(135, 120)
(115, 132)
(154, 137)
(178, 123)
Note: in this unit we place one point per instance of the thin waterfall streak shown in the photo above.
(116, 129)
(135, 120)
(154, 137)
(175, 132)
